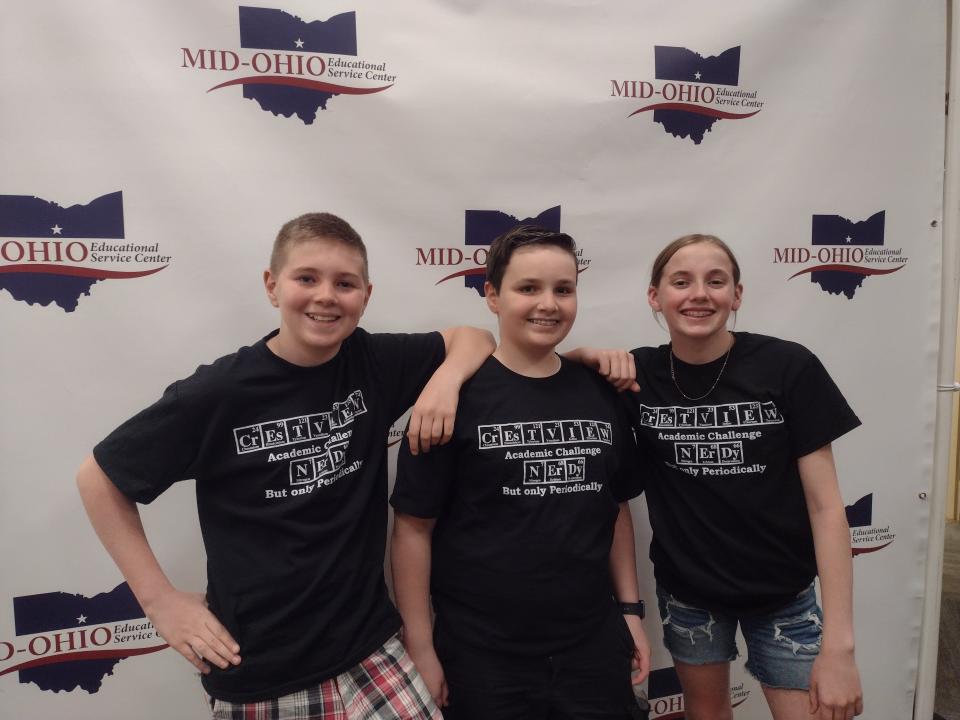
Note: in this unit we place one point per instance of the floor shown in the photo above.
(947, 700)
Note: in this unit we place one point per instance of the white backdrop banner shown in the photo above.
(151, 151)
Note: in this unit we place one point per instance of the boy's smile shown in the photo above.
(321, 293)
(537, 301)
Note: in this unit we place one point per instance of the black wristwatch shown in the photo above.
(637, 608)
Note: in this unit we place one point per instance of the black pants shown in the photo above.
(590, 681)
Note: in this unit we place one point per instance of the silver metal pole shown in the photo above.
(937, 497)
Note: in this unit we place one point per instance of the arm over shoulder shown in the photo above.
(404, 364)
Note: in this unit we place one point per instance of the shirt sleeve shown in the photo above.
(405, 364)
(627, 483)
(425, 481)
(152, 450)
(817, 413)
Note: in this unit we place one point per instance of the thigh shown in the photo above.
(781, 646)
(788, 704)
(489, 686)
(591, 681)
(386, 686)
(702, 644)
(706, 690)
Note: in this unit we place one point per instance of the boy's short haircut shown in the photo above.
(501, 249)
(316, 226)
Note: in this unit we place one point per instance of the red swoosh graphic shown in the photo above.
(462, 273)
(300, 83)
(698, 109)
(77, 271)
(862, 551)
(477, 271)
(847, 268)
(92, 655)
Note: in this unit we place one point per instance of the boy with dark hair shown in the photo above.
(519, 529)
(287, 441)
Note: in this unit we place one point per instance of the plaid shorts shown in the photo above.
(384, 686)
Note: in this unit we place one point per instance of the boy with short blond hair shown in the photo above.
(287, 442)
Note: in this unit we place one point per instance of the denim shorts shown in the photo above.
(781, 645)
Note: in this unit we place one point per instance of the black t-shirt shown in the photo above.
(730, 526)
(291, 482)
(526, 495)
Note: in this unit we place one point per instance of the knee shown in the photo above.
(707, 706)
(707, 711)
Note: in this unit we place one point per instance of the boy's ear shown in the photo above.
(366, 299)
(491, 295)
(653, 299)
(270, 284)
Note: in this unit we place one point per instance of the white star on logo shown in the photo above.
(82, 619)
(696, 75)
(56, 229)
(299, 43)
(848, 238)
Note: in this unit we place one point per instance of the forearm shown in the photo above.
(410, 559)
(623, 571)
(831, 542)
(432, 418)
(182, 619)
(831, 539)
(617, 366)
(623, 562)
(835, 689)
(584, 356)
(116, 521)
(467, 348)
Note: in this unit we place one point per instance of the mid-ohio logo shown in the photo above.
(291, 66)
(482, 227)
(843, 253)
(865, 537)
(50, 253)
(666, 697)
(66, 641)
(691, 92)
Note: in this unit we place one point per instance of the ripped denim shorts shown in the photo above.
(781, 646)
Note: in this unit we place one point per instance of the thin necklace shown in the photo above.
(673, 376)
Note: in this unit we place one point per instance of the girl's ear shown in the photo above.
(653, 298)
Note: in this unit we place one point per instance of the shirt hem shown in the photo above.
(740, 611)
(279, 691)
